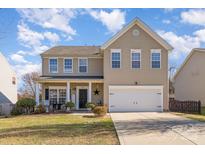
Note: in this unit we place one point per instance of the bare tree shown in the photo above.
(172, 70)
(28, 88)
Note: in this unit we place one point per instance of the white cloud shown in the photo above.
(58, 19)
(53, 37)
(18, 58)
(69, 38)
(27, 37)
(194, 16)
(182, 44)
(166, 21)
(21, 52)
(22, 69)
(33, 40)
(200, 34)
(39, 49)
(113, 20)
(22, 66)
(34, 51)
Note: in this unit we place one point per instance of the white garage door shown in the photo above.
(135, 98)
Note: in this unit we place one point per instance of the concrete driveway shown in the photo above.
(157, 128)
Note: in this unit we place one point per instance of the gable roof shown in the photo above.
(91, 51)
(187, 59)
(94, 51)
(4, 99)
(145, 27)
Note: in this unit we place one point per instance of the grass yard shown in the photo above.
(199, 117)
(57, 129)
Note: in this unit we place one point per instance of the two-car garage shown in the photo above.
(135, 98)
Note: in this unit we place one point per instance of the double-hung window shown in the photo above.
(83, 65)
(53, 65)
(68, 65)
(136, 59)
(156, 58)
(116, 58)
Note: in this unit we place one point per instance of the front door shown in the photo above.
(83, 95)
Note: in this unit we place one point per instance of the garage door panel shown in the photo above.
(135, 99)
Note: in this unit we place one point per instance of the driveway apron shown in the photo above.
(153, 128)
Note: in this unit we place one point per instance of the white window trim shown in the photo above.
(116, 51)
(49, 64)
(79, 64)
(155, 51)
(55, 88)
(64, 64)
(135, 51)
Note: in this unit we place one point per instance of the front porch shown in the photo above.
(55, 93)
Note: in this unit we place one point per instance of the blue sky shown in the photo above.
(25, 33)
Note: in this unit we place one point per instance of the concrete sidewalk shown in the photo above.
(157, 129)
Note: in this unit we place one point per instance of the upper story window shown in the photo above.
(136, 58)
(68, 65)
(13, 80)
(116, 58)
(53, 65)
(83, 65)
(156, 58)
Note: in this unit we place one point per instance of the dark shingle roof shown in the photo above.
(3, 99)
(73, 50)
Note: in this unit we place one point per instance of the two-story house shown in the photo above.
(8, 86)
(127, 73)
(188, 81)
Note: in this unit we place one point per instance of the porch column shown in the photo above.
(68, 92)
(37, 93)
(90, 92)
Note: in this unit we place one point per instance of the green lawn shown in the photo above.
(200, 117)
(57, 129)
(203, 111)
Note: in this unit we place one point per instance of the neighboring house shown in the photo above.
(8, 86)
(127, 73)
(189, 80)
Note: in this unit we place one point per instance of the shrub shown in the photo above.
(40, 109)
(16, 111)
(100, 110)
(90, 105)
(27, 104)
(70, 105)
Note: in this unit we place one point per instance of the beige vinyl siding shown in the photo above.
(95, 67)
(143, 76)
(189, 83)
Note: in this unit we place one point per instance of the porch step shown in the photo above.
(59, 111)
(73, 111)
(82, 111)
